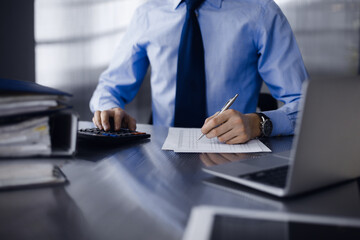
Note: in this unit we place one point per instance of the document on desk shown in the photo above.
(25, 173)
(185, 140)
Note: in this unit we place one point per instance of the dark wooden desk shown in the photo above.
(138, 191)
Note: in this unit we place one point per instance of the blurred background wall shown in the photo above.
(75, 40)
(70, 42)
(327, 32)
(17, 52)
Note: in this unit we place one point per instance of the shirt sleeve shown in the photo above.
(120, 82)
(281, 67)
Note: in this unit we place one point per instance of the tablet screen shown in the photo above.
(230, 227)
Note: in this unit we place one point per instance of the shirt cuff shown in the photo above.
(282, 125)
(104, 103)
(109, 105)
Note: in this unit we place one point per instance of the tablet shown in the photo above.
(215, 223)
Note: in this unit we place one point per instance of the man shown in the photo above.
(245, 42)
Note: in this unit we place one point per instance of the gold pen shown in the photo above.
(225, 107)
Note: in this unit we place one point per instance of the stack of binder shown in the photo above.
(35, 121)
(25, 174)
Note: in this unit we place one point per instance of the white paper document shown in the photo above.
(24, 173)
(11, 104)
(31, 137)
(185, 140)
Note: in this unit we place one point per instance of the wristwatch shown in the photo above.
(266, 126)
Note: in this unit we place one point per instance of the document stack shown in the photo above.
(23, 173)
(33, 120)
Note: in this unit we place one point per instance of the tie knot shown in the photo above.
(193, 4)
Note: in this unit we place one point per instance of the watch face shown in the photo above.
(267, 128)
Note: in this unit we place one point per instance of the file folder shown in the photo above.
(22, 101)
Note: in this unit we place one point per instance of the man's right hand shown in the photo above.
(121, 119)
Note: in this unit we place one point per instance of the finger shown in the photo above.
(212, 123)
(215, 114)
(240, 133)
(211, 117)
(206, 120)
(206, 160)
(219, 130)
(97, 120)
(117, 119)
(227, 114)
(204, 125)
(205, 128)
(237, 140)
(232, 157)
(132, 123)
(217, 158)
(123, 119)
(226, 136)
(105, 120)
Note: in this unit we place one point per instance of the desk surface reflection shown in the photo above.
(138, 191)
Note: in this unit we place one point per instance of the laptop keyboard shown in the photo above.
(275, 177)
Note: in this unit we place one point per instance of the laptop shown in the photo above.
(325, 150)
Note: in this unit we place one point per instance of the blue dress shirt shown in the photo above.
(246, 42)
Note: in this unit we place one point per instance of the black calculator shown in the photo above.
(101, 136)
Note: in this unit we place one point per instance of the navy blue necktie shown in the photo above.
(190, 101)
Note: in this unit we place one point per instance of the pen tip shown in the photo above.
(200, 137)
